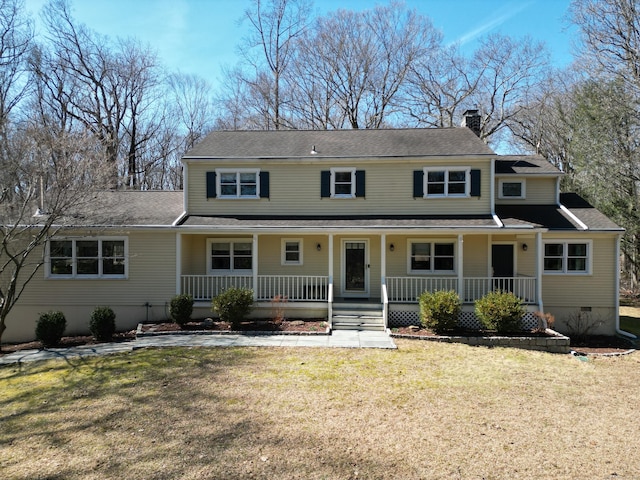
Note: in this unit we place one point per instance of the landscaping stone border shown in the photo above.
(553, 343)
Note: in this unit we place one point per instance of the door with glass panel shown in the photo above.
(355, 268)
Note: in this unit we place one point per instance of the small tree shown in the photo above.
(501, 311)
(233, 305)
(50, 328)
(181, 308)
(102, 324)
(439, 310)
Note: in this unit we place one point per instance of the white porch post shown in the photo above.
(330, 258)
(460, 266)
(539, 269)
(254, 266)
(178, 263)
(383, 257)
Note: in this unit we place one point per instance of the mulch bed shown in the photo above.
(592, 345)
(314, 325)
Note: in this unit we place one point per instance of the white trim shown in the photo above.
(352, 171)
(283, 251)
(523, 189)
(582, 225)
(446, 171)
(231, 241)
(74, 260)
(238, 172)
(343, 268)
(565, 243)
(178, 263)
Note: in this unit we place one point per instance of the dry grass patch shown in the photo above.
(424, 411)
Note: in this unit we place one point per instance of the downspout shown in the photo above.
(617, 264)
(492, 196)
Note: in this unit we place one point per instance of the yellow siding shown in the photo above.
(152, 278)
(538, 191)
(475, 258)
(576, 291)
(295, 189)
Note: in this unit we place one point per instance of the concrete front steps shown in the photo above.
(357, 316)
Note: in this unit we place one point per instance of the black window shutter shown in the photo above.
(475, 183)
(360, 183)
(325, 183)
(418, 183)
(264, 184)
(211, 184)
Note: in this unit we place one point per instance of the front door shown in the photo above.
(502, 264)
(355, 268)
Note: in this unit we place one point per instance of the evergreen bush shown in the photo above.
(233, 305)
(50, 328)
(439, 310)
(500, 311)
(181, 308)
(102, 324)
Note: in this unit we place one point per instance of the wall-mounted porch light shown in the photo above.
(318, 247)
(392, 247)
(525, 247)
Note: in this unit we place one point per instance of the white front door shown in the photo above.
(355, 268)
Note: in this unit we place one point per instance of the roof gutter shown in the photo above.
(619, 331)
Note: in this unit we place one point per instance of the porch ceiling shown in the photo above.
(341, 222)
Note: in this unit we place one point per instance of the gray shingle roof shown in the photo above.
(587, 213)
(128, 208)
(525, 165)
(341, 222)
(340, 143)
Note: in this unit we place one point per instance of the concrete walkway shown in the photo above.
(338, 339)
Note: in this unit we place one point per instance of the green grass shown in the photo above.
(630, 324)
(423, 411)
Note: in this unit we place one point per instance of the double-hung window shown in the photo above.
(291, 251)
(243, 183)
(229, 256)
(342, 182)
(567, 257)
(446, 182)
(431, 257)
(87, 258)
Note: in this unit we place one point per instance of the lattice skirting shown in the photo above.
(466, 319)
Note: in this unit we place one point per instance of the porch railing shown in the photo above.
(407, 289)
(522, 287)
(295, 288)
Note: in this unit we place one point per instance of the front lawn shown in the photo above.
(423, 411)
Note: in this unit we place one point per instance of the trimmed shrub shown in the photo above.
(50, 328)
(233, 305)
(102, 324)
(439, 310)
(501, 311)
(181, 308)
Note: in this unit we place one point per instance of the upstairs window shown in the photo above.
(514, 189)
(342, 183)
(446, 182)
(567, 257)
(238, 184)
(87, 258)
(442, 182)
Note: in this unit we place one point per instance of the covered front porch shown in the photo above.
(387, 271)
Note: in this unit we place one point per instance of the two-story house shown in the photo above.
(348, 225)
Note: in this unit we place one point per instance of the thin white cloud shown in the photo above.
(492, 22)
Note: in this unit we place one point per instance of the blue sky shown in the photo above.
(201, 36)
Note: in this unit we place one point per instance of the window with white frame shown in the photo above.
(343, 183)
(431, 256)
(241, 183)
(229, 256)
(291, 251)
(567, 257)
(514, 189)
(104, 257)
(446, 182)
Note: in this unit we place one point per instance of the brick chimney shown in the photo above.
(471, 119)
